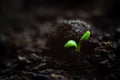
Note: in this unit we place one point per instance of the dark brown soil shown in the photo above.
(33, 34)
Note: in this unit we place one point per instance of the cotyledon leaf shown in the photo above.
(85, 36)
(70, 43)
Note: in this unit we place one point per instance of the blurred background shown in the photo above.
(17, 13)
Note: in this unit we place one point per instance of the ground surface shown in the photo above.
(33, 34)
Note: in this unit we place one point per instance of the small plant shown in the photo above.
(72, 43)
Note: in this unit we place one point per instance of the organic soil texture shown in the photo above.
(33, 34)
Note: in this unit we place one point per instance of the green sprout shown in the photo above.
(72, 43)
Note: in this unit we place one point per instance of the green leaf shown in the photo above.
(85, 36)
(70, 43)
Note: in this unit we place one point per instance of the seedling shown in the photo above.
(72, 43)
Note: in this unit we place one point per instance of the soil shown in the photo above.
(33, 34)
